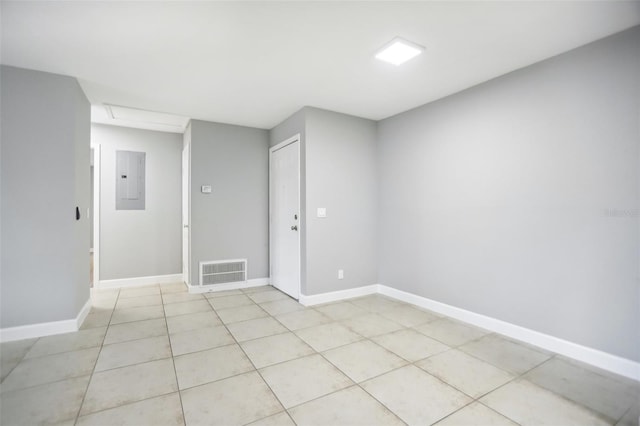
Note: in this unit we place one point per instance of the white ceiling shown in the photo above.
(255, 63)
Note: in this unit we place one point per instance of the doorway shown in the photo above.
(284, 216)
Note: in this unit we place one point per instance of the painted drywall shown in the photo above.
(232, 222)
(518, 199)
(293, 125)
(45, 175)
(140, 243)
(341, 177)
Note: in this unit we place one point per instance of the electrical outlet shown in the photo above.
(340, 274)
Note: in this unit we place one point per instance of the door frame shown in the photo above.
(96, 214)
(289, 141)
(186, 199)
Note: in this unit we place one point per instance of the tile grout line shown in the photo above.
(138, 363)
(239, 343)
(354, 383)
(173, 360)
(125, 404)
(370, 339)
(472, 398)
(408, 362)
(357, 384)
(256, 370)
(21, 358)
(37, 339)
(321, 354)
(84, 396)
(618, 421)
(516, 376)
(137, 338)
(364, 338)
(124, 366)
(316, 352)
(61, 352)
(566, 398)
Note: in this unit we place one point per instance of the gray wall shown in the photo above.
(141, 243)
(338, 172)
(290, 127)
(340, 176)
(233, 221)
(518, 199)
(45, 175)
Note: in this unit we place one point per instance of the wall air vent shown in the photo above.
(223, 271)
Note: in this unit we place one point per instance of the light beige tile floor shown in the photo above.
(157, 356)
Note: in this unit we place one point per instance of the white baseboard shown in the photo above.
(139, 281)
(45, 328)
(82, 315)
(256, 282)
(333, 296)
(595, 357)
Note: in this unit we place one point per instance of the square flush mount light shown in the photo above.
(399, 51)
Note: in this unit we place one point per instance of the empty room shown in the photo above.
(320, 213)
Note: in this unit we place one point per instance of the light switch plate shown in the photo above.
(205, 189)
(322, 212)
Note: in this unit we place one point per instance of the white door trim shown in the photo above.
(289, 141)
(96, 214)
(186, 145)
(284, 143)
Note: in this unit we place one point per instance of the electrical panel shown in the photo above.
(130, 180)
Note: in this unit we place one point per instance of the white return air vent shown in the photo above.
(223, 271)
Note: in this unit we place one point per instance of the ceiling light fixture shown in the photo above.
(399, 51)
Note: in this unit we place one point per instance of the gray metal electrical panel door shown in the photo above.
(130, 180)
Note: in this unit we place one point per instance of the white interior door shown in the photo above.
(186, 155)
(284, 229)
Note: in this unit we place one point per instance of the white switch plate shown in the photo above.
(206, 189)
(322, 212)
(340, 274)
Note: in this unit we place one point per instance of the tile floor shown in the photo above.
(158, 355)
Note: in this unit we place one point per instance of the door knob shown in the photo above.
(294, 228)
